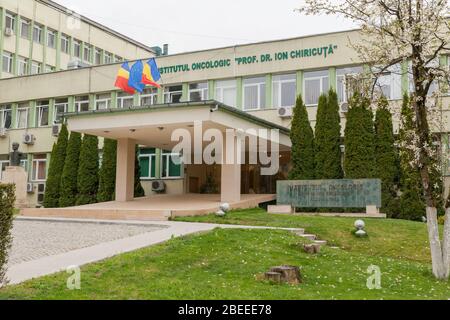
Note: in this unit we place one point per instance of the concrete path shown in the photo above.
(22, 269)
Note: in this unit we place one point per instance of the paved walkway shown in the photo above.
(44, 246)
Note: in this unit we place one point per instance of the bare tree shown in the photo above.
(414, 33)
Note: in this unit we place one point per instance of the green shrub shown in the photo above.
(55, 170)
(107, 175)
(69, 187)
(7, 200)
(87, 179)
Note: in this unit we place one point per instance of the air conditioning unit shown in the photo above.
(343, 107)
(30, 187)
(3, 132)
(158, 186)
(285, 112)
(28, 138)
(76, 64)
(9, 32)
(55, 130)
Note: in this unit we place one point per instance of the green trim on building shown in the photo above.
(269, 89)
(114, 99)
(71, 102)
(239, 93)
(160, 96)
(51, 111)
(185, 94)
(58, 51)
(30, 165)
(332, 77)
(44, 49)
(15, 64)
(30, 53)
(405, 78)
(211, 89)
(2, 19)
(32, 115)
(48, 158)
(136, 99)
(14, 115)
(158, 163)
(91, 101)
(299, 75)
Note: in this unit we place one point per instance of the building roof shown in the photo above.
(65, 10)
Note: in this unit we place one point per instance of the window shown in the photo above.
(51, 38)
(173, 94)
(7, 62)
(102, 101)
(147, 163)
(49, 68)
(5, 116)
(77, 48)
(108, 57)
(389, 82)
(149, 97)
(42, 113)
(10, 21)
(25, 28)
(434, 85)
(87, 53)
(315, 83)
(65, 43)
(343, 89)
(82, 103)
(170, 165)
(36, 67)
(22, 116)
(39, 170)
(124, 100)
(284, 90)
(3, 165)
(61, 107)
(226, 92)
(198, 91)
(118, 59)
(98, 56)
(22, 66)
(37, 33)
(254, 93)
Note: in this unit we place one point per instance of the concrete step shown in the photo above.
(311, 237)
(299, 232)
(321, 242)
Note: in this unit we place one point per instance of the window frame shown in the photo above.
(258, 85)
(280, 82)
(87, 50)
(79, 103)
(65, 43)
(3, 165)
(219, 90)
(28, 24)
(168, 95)
(35, 169)
(153, 96)
(12, 17)
(151, 160)
(38, 31)
(314, 78)
(40, 108)
(77, 49)
(99, 100)
(166, 163)
(10, 58)
(52, 34)
(19, 110)
(22, 61)
(35, 65)
(5, 109)
(121, 98)
(202, 91)
(59, 104)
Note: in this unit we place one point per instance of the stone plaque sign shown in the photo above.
(344, 193)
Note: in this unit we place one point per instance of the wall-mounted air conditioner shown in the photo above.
(285, 112)
(28, 138)
(9, 32)
(30, 187)
(343, 108)
(158, 186)
(55, 130)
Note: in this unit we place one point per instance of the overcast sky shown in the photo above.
(202, 24)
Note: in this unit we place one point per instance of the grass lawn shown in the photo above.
(224, 264)
(399, 239)
(227, 264)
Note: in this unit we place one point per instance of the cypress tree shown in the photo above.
(69, 189)
(55, 170)
(387, 167)
(138, 189)
(87, 179)
(107, 175)
(302, 138)
(359, 161)
(328, 138)
(412, 204)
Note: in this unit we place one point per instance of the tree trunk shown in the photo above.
(437, 258)
(289, 274)
(446, 244)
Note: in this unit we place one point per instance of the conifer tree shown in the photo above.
(55, 170)
(387, 166)
(138, 189)
(327, 142)
(107, 175)
(69, 187)
(412, 204)
(359, 161)
(302, 138)
(87, 179)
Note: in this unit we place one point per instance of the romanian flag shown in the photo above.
(150, 74)
(135, 80)
(123, 77)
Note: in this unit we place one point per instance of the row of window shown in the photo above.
(38, 167)
(170, 164)
(89, 54)
(23, 64)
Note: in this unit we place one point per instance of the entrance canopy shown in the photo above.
(153, 126)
